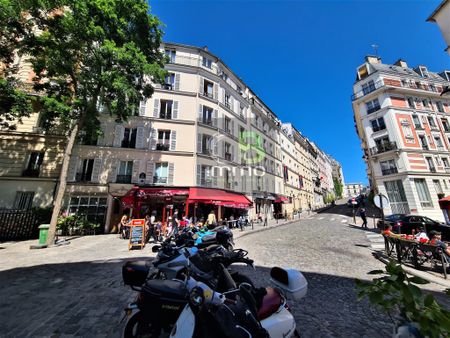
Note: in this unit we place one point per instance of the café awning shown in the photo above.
(219, 197)
(281, 199)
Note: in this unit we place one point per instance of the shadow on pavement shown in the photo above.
(86, 299)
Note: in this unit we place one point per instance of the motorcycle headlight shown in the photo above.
(196, 296)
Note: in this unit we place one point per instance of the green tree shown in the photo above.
(338, 188)
(14, 102)
(89, 57)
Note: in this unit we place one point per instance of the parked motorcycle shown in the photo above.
(160, 298)
(250, 314)
(203, 239)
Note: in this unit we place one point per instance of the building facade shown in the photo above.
(338, 176)
(204, 141)
(353, 189)
(402, 121)
(441, 16)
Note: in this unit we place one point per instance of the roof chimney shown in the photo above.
(205, 48)
(373, 59)
(401, 63)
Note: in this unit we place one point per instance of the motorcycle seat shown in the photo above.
(163, 288)
(270, 303)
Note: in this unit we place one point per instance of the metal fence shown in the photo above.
(20, 224)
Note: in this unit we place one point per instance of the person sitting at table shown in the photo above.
(436, 240)
(421, 236)
(387, 230)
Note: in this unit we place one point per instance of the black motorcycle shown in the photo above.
(160, 301)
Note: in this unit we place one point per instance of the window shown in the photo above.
(368, 87)
(227, 179)
(24, 200)
(431, 164)
(423, 192)
(84, 173)
(208, 88)
(431, 121)
(397, 197)
(161, 173)
(388, 167)
(93, 208)
(207, 115)
(424, 71)
(170, 54)
(207, 62)
(378, 124)
(425, 103)
(440, 106)
(228, 154)
(34, 164)
(372, 106)
(445, 162)
(423, 142)
(207, 145)
(165, 109)
(227, 100)
(227, 125)
(163, 140)
(206, 176)
(438, 188)
(241, 110)
(169, 81)
(445, 125)
(129, 138)
(416, 122)
(411, 103)
(438, 141)
(125, 172)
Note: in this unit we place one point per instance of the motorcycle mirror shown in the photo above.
(156, 248)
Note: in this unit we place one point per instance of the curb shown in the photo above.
(422, 274)
(243, 233)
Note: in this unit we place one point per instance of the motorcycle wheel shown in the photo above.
(135, 329)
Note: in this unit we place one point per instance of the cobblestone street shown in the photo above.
(77, 289)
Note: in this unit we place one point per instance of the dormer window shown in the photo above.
(207, 62)
(170, 54)
(424, 71)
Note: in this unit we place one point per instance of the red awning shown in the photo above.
(281, 199)
(142, 193)
(219, 197)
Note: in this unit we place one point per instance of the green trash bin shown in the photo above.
(43, 233)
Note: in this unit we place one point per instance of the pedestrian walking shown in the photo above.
(362, 214)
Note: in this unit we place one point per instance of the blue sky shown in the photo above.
(300, 56)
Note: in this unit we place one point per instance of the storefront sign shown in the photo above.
(137, 233)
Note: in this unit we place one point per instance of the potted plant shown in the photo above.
(410, 311)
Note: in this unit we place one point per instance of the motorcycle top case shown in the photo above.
(292, 282)
(135, 273)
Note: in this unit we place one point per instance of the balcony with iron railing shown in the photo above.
(163, 146)
(378, 128)
(447, 169)
(389, 171)
(382, 148)
(395, 83)
(193, 61)
(123, 179)
(159, 180)
(30, 173)
(83, 177)
(433, 169)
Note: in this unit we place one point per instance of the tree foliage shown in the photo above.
(338, 188)
(92, 56)
(399, 296)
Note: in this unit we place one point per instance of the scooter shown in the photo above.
(210, 313)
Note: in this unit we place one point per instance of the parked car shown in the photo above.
(358, 199)
(391, 219)
(406, 223)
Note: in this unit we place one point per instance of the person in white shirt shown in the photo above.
(421, 234)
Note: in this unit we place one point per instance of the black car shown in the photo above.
(391, 219)
(406, 223)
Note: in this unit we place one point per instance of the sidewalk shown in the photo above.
(273, 223)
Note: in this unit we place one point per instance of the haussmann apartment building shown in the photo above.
(404, 127)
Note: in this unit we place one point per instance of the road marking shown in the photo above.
(332, 219)
(321, 217)
(344, 221)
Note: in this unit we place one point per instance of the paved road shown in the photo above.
(76, 290)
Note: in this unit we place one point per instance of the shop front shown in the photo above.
(195, 203)
(279, 206)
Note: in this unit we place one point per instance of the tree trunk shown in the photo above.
(62, 185)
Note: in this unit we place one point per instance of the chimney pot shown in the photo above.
(373, 59)
(401, 63)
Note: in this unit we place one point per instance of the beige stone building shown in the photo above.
(203, 142)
